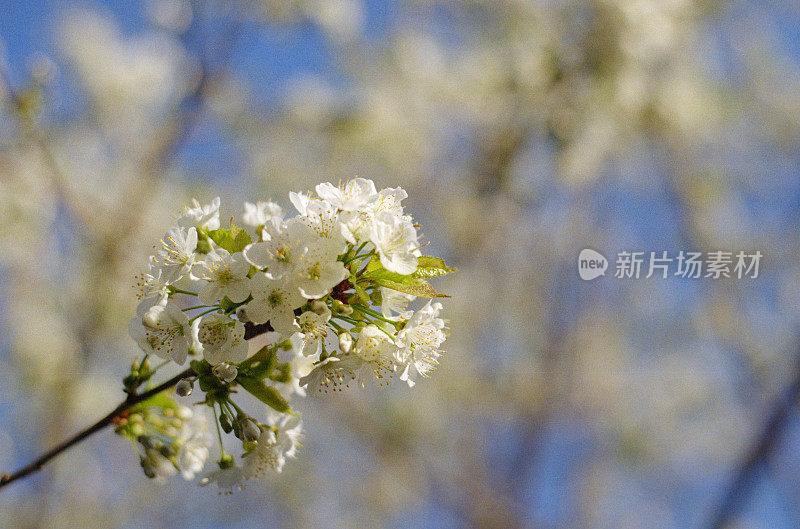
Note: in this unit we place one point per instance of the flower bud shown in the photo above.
(318, 306)
(225, 372)
(225, 423)
(137, 429)
(345, 342)
(249, 431)
(226, 461)
(184, 387)
(147, 466)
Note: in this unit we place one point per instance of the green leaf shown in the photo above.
(411, 285)
(373, 266)
(159, 400)
(432, 267)
(262, 363)
(361, 293)
(266, 394)
(233, 239)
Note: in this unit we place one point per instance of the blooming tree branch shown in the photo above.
(129, 402)
(330, 287)
(251, 331)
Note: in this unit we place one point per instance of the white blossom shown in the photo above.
(355, 195)
(222, 339)
(394, 304)
(376, 350)
(395, 238)
(299, 262)
(280, 439)
(314, 331)
(282, 248)
(273, 300)
(389, 201)
(201, 216)
(162, 329)
(318, 271)
(419, 341)
(225, 275)
(150, 283)
(322, 217)
(258, 215)
(329, 376)
(175, 256)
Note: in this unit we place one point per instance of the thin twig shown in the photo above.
(251, 331)
(131, 401)
(762, 448)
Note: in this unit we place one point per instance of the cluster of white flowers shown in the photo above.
(332, 284)
(170, 438)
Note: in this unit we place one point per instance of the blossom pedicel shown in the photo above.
(332, 285)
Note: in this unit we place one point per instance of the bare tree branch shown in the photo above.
(762, 448)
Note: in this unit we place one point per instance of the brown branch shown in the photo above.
(131, 401)
(251, 331)
(740, 487)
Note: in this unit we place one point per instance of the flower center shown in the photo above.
(274, 299)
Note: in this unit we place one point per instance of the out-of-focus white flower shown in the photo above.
(133, 81)
(156, 466)
(258, 215)
(162, 329)
(204, 216)
(193, 441)
(341, 19)
(225, 275)
(175, 15)
(280, 439)
(228, 479)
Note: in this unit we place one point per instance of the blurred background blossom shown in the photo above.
(524, 131)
